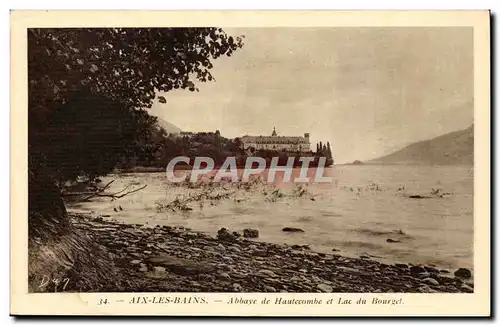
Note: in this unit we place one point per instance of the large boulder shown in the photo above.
(325, 288)
(179, 266)
(224, 235)
(250, 233)
(416, 270)
(463, 273)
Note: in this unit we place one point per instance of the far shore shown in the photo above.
(146, 169)
(398, 164)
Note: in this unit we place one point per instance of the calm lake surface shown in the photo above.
(356, 214)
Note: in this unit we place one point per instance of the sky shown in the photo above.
(368, 91)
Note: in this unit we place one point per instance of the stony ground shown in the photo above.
(168, 259)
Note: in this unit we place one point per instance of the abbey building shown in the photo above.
(277, 143)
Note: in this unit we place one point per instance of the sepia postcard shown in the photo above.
(246, 163)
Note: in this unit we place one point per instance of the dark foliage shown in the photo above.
(86, 90)
(86, 85)
(165, 147)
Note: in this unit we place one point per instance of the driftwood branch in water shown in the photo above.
(116, 196)
(81, 193)
(100, 192)
(179, 204)
(106, 186)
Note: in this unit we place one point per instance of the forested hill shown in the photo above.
(454, 148)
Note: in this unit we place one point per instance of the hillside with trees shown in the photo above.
(161, 147)
(454, 148)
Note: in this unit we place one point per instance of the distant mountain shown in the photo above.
(169, 127)
(454, 148)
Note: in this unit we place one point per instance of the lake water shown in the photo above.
(356, 214)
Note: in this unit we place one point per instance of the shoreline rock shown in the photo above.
(289, 229)
(463, 273)
(250, 233)
(171, 259)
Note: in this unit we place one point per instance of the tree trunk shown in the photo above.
(47, 213)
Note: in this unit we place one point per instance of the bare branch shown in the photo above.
(82, 193)
(116, 193)
(100, 192)
(115, 196)
(106, 186)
